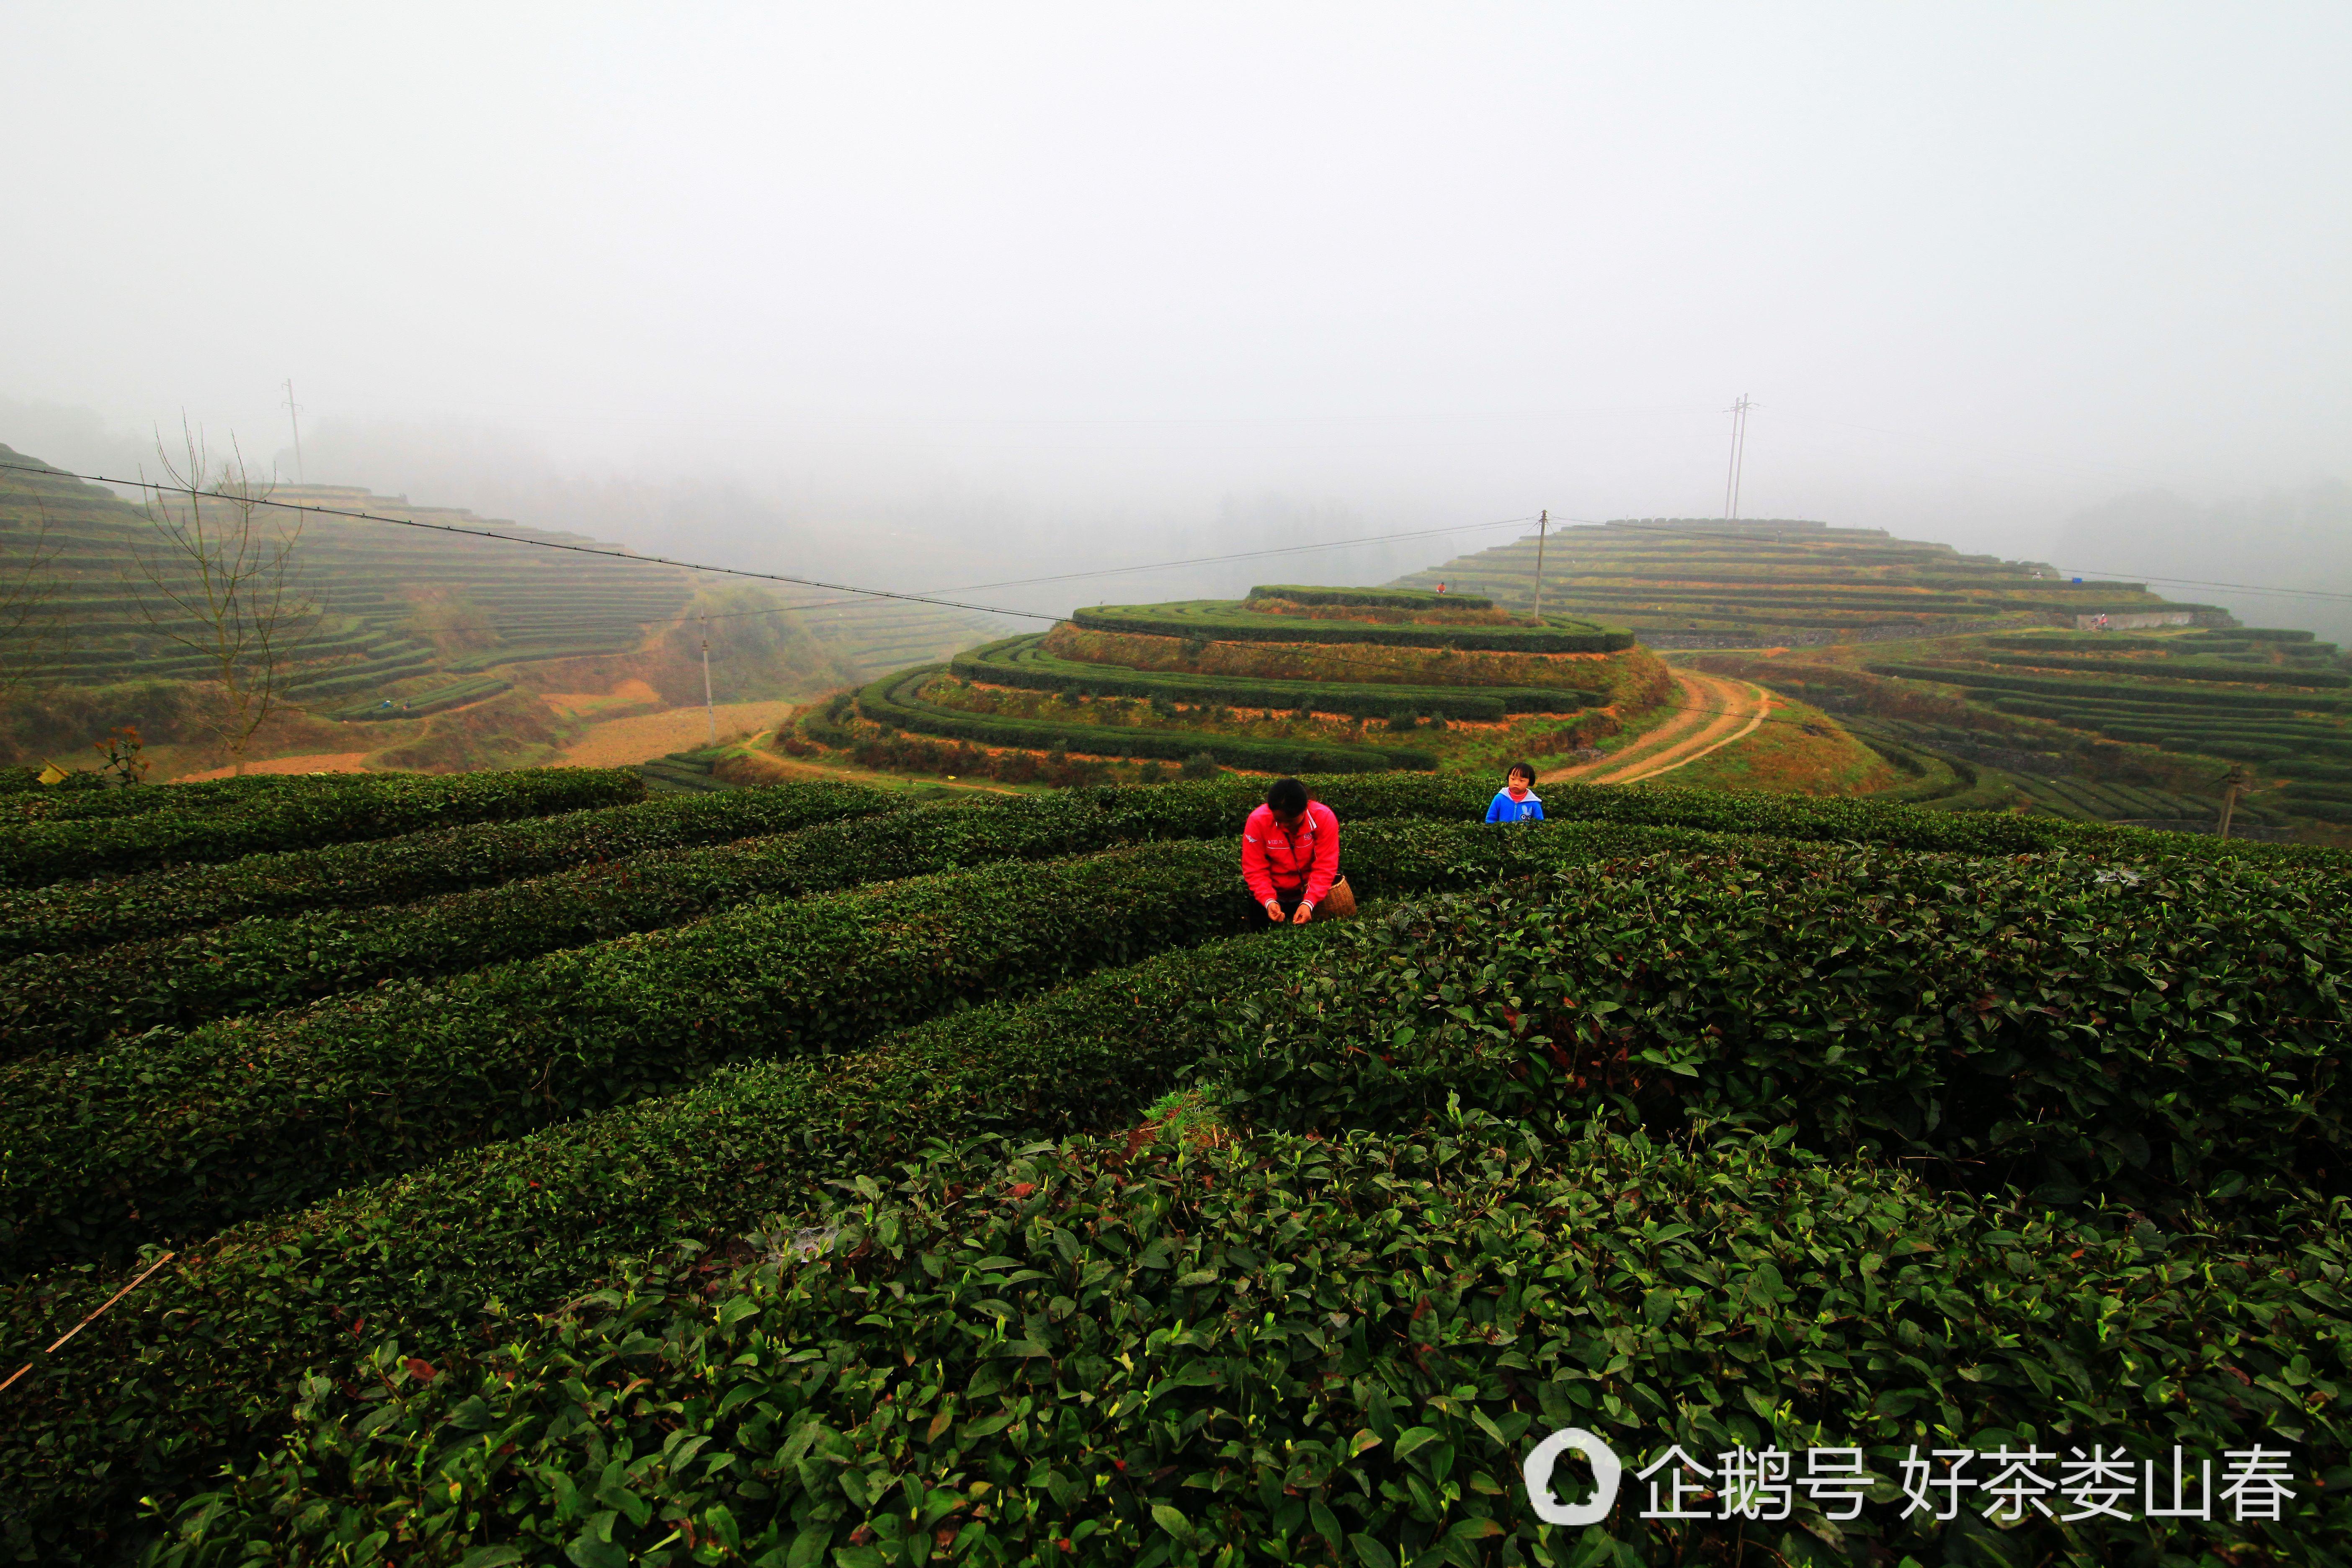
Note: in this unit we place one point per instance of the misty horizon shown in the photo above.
(934, 298)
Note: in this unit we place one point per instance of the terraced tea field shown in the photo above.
(1984, 684)
(414, 624)
(1681, 583)
(1292, 679)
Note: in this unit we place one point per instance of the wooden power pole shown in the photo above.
(1734, 469)
(294, 420)
(2232, 783)
(709, 711)
(1543, 526)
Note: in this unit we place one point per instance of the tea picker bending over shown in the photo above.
(1290, 856)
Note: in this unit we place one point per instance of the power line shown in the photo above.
(1249, 555)
(538, 543)
(929, 597)
(1168, 565)
(1699, 532)
(2197, 583)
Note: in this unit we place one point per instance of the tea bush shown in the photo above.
(73, 1001)
(478, 1241)
(2177, 669)
(1129, 1350)
(73, 916)
(87, 797)
(2062, 685)
(2151, 1031)
(475, 1150)
(1023, 662)
(354, 806)
(898, 699)
(1381, 598)
(1222, 621)
(139, 1142)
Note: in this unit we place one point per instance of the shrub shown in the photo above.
(518, 1224)
(273, 1111)
(895, 699)
(352, 808)
(83, 797)
(1209, 620)
(72, 1001)
(279, 1111)
(2154, 1030)
(1125, 1349)
(1023, 662)
(2060, 686)
(425, 703)
(69, 917)
(1380, 598)
(2301, 768)
(2173, 669)
(1199, 765)
(827, 722)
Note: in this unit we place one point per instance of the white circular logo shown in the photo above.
(1606, 1469)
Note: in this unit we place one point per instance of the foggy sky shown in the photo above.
(945, 293)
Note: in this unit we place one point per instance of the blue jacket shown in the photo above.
(1505, 809)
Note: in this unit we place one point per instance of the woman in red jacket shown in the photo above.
(1290, 852)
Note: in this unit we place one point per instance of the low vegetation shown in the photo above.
(1215, 620)
(1817, 1032)
(1291, 679)
(1764, 582)
(110, 833)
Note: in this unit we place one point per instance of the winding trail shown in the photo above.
(642, 737)
(1715, 711)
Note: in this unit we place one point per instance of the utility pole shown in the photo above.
(1733, 470)
(1543, 526)
(2232, 783)
(294, 418)
(709, 711)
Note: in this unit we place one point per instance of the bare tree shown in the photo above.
(219, 581)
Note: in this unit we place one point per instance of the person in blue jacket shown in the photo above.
(1516, 801)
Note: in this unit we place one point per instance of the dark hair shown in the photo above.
(1527, 768)
(1286, 797)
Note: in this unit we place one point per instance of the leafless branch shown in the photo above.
(219, 581)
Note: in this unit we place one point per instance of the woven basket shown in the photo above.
(1338, 903)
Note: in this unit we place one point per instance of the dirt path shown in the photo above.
(1736, 708)
(1714, 712)
(618, 742)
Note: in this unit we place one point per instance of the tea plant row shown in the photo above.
(1023, 662)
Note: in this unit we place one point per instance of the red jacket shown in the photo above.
(1272, 859)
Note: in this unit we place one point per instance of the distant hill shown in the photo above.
(1684, 583)
(415, 623)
